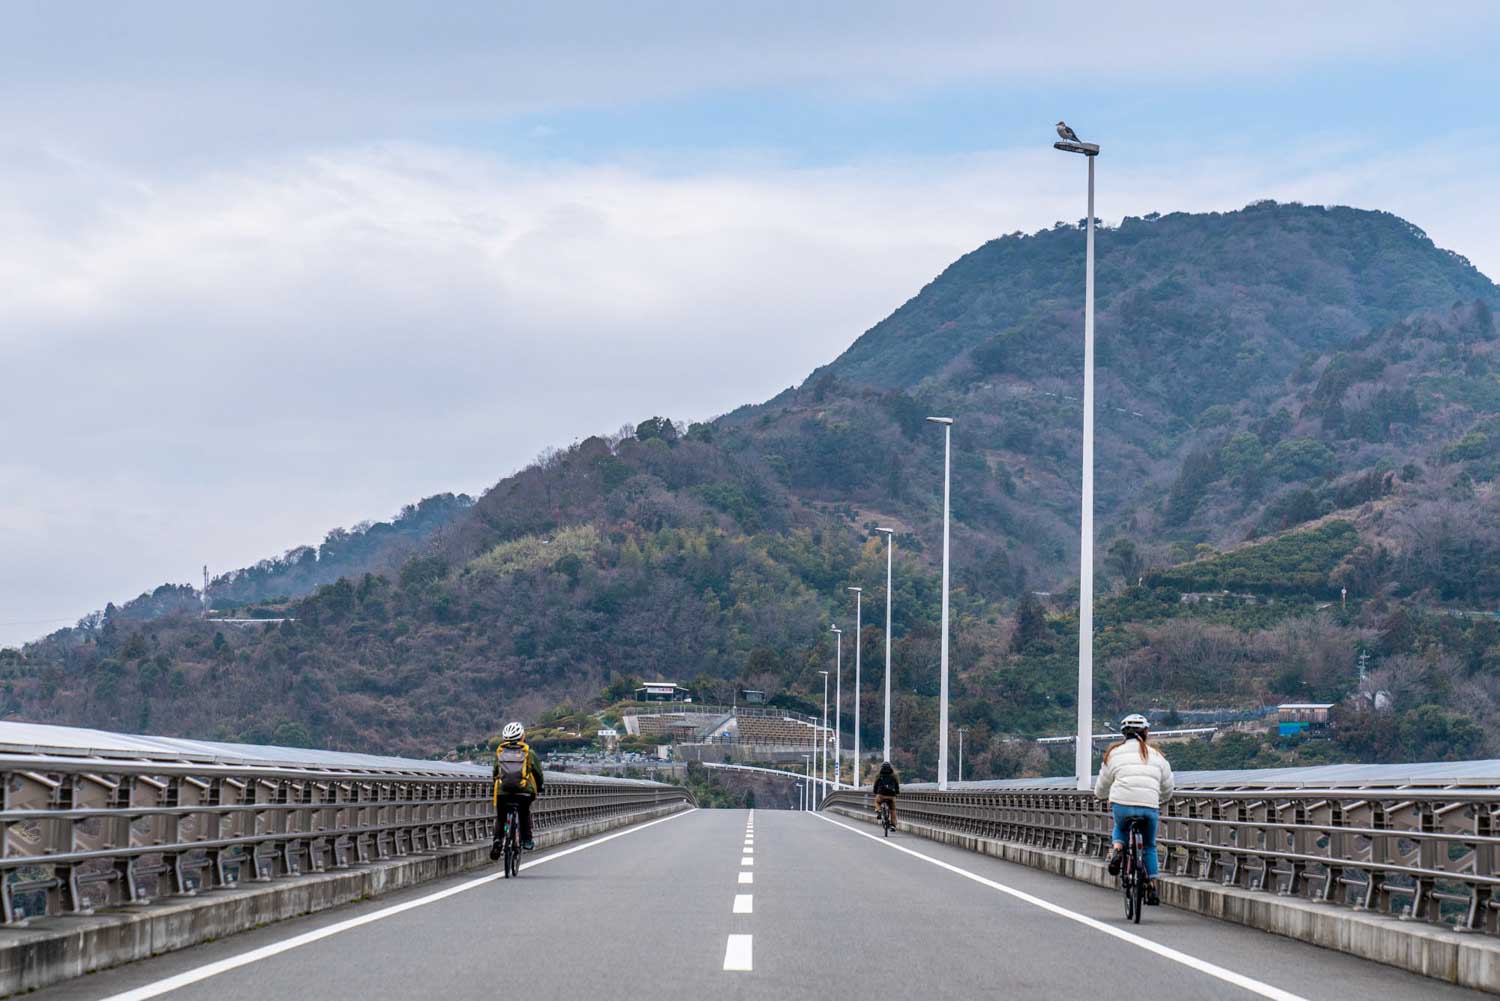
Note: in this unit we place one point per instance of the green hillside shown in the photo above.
(1293, 400)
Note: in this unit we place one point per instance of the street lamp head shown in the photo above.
(886, 531)
(823, 673)
(856, 590)
(834, 629)
(940, 420)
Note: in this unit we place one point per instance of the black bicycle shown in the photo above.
(508, 841)
(1133, 878)
(884, 812)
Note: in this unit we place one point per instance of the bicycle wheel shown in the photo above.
(1138, 892)
(1126, 885)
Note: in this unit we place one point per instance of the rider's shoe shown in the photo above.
(1115, 858)
(1152, 897)
(495, 851)
(528, 845)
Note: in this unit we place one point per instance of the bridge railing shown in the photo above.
(122, 820)
(1428, 854)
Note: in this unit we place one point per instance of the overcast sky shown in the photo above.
(273, 268)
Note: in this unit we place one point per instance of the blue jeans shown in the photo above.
(1150, 815)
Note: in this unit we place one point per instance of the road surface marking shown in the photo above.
(737, 953)
(744, 903)
(748, 851)
(1191, 962)
(172, 983)
(746, 860)
(747, 877)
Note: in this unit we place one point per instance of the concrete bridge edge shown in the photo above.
(1468, 960)
(60, 948)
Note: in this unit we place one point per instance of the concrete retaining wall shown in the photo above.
(53, 949)
(1467, 959)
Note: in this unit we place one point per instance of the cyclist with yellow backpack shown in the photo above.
(518, 781)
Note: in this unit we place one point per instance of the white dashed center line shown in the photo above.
(747, 860)
(747, 877)
(737, 953)
(743, 903)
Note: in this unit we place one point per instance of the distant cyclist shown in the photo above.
(887, 788)
(1135, 781)
(518, 780)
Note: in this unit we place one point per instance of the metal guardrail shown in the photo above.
(116, 820)
(1429, 854)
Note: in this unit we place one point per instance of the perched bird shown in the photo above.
(1067, 133)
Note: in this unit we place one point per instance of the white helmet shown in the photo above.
(513, 731)
(1134, 724)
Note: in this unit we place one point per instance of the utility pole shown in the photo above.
(858, 629)
(947, 423)
(1084, 746)
(890, 551)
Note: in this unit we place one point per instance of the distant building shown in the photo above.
(1307, 719)
(609, 739)
(750, 696)
(663, 691)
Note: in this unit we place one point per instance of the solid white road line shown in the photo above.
(744, 903)
(1191, 962)
(161, 987)
(747, 877)
(737, 953)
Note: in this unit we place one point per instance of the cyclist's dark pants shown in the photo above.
(887, 799)
(523, 807)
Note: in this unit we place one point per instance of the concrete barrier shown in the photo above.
(1466, 959)
(49, 950)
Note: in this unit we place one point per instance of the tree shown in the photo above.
(1031, 623)
(1125, 560)
(1301, 459)
(660, 428)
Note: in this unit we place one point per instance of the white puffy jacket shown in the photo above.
(1129, 781)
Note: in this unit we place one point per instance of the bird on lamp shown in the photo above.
(1067, 133)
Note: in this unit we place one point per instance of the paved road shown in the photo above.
(817, 908)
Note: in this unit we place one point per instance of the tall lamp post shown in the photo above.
(890, 549)
(961, 731)
(947, 423)
(1083, 746)
(838, 699)
(807, 770)
(858, 642)
(823, 734)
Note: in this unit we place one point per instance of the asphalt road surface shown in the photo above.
(764, 905)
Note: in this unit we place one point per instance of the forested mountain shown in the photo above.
(1292, 400)
(344, 552)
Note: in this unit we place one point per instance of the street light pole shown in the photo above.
(890, 549)
(807, 770)
(1083, 746)
(858, 638)
(961, 731)
(823, 733)
(947, 423)
(838, 705)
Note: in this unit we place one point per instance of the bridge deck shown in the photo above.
(833, 912)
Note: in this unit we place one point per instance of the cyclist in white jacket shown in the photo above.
(1135, 781)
